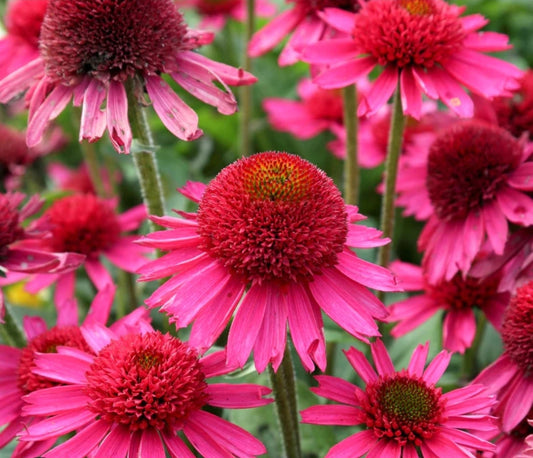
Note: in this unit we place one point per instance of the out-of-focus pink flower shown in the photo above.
(436, 54)
(304, 21)
(215, 13)
(458, 297)
(131, 394)
(21, 44)
(79, 180)
(89, 54)
(16, 364)
(89, 225)
(510, 375)
(15, 156)
(272, 230)
(402, 412)
(478, 177)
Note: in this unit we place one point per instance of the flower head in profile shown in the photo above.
(402, 413)
(131, 395)
(458, 298)
(436, 54)
(215, 13)
(21, 43)
(272, 230)
(478, 178)
(90, 227)
(91, 51)
(303, 21)
(510, 376)
(16, 364)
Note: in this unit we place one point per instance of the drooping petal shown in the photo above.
(93, 118)
(117, 117)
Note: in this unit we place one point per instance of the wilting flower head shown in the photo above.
(477, 179)
(16, 364)
(510, 376)
(304, 21)
(458, 297)
(23, 25)
(402, 412)
(91, 51)
(436, 53)
(214, 13)
(276, 224)
(132, 393)
(89, 226)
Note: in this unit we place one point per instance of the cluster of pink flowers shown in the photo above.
(272, 259)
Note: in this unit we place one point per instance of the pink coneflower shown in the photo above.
(21, 44)
(89, 225)
(436, 53)
(16, 364)
(215, 13)
(304, 21)
(458, 297)
(510, 375)
(515, 113)
(130, 395)
(402, 413)
(91, 51)
(518, 443)
(275, 226)
(477, 179)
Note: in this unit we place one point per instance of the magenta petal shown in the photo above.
(440, 446)
(410, 94)
(465, 439)
(451, 92)
(61, 368)
(366, 273)
(33, 326)
(30, 261)
(98, 273)
(117, 117)
(338, 18)
(459, 329)
(270, 35)
(516, 206)
(126, 255)
(418, 360)
(437, 367)
(335, 389)
(522, 177)
(380, 92)
(519, 403)
(354, 446)
(246, 324)
(175, 114)
(361, 365)
(330, 51)
(82, 443)
(176, 446)
(498, 374)
(58, 424)
(96, 335)
(241, 396)
(305, 323)
(388, 448)
(116, 444)
(333, 415)
(93, 118)
(381, 358)
(151, 444)
(496, 226)
(344, 74)
(51, 401)
(20, 79)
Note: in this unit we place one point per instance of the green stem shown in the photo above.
(397, 126)
(144, 158)
(351, 164)
(91, 159)
(11, 332)
(284, 388)
(470, 367)
(245, 105)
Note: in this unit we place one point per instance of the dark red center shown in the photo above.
(24, 19)
(408, 32)
(10, 229)
(273, 216)
(326, 104)
(217, 6)
(319, 5)
(110, 39)
(403, 408)
(47, 342)
(467, 165)
(150, 380)
(82, 223)
(517, 328)
(464, 293)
